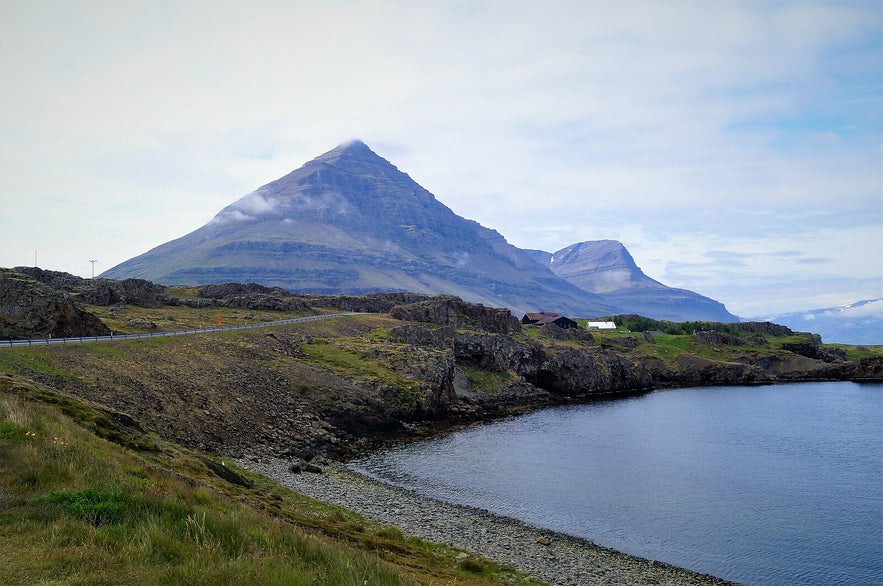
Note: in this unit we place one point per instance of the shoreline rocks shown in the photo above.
(546, 555)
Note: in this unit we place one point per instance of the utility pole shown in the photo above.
(93, 267)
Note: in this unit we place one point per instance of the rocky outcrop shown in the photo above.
(33, 309)
(724, 339)
(864, 369)
(255, 296)
(488, 351)
(718, 338)
(556, 332)
(695, 370)
(456, 313)
(576, 372)
(813, 350)
(129, 291)
(763, 327)
(248, 296)
(567, 372)
(102, 291)
(55, 279)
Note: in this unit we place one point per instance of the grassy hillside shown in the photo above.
(244, 391)
(76, 508)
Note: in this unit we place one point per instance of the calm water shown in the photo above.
(762, 485)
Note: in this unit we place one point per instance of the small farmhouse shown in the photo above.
(543, 318)
(601, 325)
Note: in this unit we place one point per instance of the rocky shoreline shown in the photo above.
(552, 557)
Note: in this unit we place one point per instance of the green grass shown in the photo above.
(856, 352)
(353, 358)
(34, 359)
(349, 358)
(181, 317)
(77, 509)
(485, 381)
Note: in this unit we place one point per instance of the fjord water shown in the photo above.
(761, 485)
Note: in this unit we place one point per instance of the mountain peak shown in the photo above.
(605, 267)
(353, 149)
(602, 255)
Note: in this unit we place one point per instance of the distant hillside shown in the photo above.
(350, 222)
(606, 268)
(857, 323)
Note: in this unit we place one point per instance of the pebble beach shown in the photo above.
(545, 555)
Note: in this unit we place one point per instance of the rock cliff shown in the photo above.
(32, 309)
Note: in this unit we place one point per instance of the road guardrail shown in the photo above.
(82, 339)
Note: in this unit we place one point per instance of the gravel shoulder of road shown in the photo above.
(545, 555)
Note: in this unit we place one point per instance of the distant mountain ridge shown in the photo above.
(606, 268)
(855, 323)
(350, 222)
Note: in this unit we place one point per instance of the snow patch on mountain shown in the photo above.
(855, 323)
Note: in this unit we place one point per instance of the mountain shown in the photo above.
(350, 222)
(857, 323)
(606, 268)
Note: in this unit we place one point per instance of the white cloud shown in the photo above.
(231, 215)
(254, 203)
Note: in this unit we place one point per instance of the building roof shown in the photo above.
(543, 318)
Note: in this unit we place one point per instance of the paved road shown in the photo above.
(48, 341)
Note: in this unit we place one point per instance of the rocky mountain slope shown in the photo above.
(606, 268)
(349, 222)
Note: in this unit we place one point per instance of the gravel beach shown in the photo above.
(546, 555)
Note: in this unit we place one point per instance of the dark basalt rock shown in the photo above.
(567, 372)
(456, 313)
(227, 474)
(34, 309)
(555, 332)
(718, 339)
(102, 291)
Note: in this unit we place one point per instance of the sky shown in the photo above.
(734, 147)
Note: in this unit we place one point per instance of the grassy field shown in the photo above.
(78, 509)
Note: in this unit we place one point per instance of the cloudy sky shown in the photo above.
(733, 146)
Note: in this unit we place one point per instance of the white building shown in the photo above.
(601, 325)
